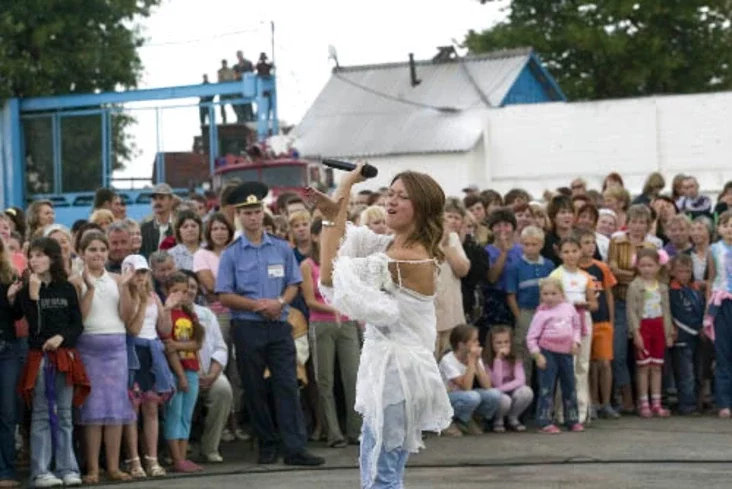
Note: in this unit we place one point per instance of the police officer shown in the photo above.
(258, 278)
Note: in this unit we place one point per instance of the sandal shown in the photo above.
(551, 429)
(90, 479)
(153, 467)
(134, 468)
(119, 476)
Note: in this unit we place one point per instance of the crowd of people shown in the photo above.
(209, 322)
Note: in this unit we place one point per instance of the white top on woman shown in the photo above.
(397, 360)
(103, 317)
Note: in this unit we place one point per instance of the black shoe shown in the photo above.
(267, 456)
(304, 458)
(353, 440)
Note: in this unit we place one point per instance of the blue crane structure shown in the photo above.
(55, 110)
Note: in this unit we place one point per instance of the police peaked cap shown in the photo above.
(248, 194)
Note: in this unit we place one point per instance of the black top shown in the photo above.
(479, 265)
(8, 315)
(56, 312)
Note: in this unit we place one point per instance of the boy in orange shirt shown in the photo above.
(601, 374)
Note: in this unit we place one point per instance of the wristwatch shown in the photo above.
(281, 301)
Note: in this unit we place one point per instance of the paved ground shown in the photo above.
(676, 453)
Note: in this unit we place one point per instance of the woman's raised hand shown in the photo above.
(327, 206)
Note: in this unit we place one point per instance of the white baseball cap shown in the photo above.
(135, 263)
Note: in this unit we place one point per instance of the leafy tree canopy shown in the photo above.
(621, 48)
(56, 47)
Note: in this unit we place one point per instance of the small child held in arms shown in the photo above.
(650, 325)
(182, 349)
(601, 373)
(460, 368)
(507, 373)
(522, 286)
(687, 313)
(554, 338)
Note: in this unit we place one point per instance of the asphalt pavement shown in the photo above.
(674, 453)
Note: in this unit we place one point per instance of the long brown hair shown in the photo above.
(180, 277)
(34, 218)
(316, 227)
(7, 271)
(496, 330)
(428, 200)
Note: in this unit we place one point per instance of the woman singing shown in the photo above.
(388, 281)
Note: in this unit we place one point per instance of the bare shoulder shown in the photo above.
(416, 252)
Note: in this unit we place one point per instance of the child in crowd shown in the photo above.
(601, 373)
(718, 326)
(579, 291)
(460, 368)
(522, 286)
(54, 377)
(182, 348)
(678, 230)
(649, 323)
(507, 374)
(687, 313)
(554, 338)
(151, 381)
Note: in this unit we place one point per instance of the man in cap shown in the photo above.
(160, 226)
(258, 278)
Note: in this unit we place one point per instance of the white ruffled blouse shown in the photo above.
(397, 361)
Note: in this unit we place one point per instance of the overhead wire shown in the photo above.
(181, 42)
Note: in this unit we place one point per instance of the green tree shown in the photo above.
(56, 47)
(621, 48)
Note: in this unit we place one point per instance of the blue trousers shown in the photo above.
(685, 361)
(40, 436)
(269, 344)
(179, 410)
(484, 402)
(390, 464)
(558, 365)
(723, 355)
(621, 373)
(11, 360)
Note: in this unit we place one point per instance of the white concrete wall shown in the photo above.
(546, 145)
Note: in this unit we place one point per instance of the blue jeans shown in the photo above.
(723, 355)
(557, 365)
(621, 374)
(40, 436)
(11, 359)
(484, 402)
(685, 359)
(179, 410)
(390, 464)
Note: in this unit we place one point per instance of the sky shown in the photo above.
(187, 38)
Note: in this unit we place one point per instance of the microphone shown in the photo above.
(368, 171)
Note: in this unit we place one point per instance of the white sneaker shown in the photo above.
(72, 480)
(47, 480)
(227, 436)
(213, 458)
(242, 435)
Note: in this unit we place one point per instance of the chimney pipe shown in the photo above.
(413, 71)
